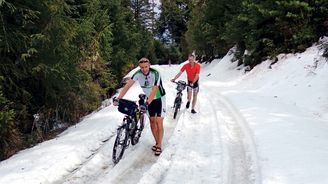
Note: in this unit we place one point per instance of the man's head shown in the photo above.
(144, 65)
(191, 59)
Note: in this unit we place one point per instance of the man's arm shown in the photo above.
(177, 76)
(197, 74)
(126, 88)
(196, 78)
(152, 94)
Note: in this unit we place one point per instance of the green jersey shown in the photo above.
(146, 82)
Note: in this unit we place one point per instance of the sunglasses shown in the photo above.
(143, 61)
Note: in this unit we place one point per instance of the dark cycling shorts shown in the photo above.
(195, 87)
(157, 107)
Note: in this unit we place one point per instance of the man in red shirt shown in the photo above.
(192, 69)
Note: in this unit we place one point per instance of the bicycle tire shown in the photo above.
(137, 131)
(175, 112)
(120, 143)
(177, 105)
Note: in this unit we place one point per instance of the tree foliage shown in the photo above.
(264, 28)
(172, 24)
(9, 135)
(60, 59)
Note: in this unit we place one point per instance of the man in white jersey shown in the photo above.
(151, 84)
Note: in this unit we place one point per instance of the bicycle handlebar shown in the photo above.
(141, 97)
(181, 83)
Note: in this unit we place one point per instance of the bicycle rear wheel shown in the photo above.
(137, 132)
(120, 143)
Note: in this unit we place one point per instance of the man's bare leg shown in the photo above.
(154, 129)
(194, 99)
(160, 131)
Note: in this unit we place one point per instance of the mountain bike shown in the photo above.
(131, 128)
(181, 85)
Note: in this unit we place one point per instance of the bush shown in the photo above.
(10, 140)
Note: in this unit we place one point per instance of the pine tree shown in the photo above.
(143, 11)
(172, 24)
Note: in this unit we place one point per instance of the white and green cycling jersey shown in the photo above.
(146, 82)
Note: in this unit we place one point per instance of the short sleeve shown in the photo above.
(198, 69)
(157, 77)
(183, 68)
(158, 81)
(135, 76)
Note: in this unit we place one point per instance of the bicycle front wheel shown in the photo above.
(120, 143)
(177, 106)
(176, 109)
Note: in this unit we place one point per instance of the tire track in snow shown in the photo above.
(132, 169)
(241, 156)
(194, 151)
(94, 153)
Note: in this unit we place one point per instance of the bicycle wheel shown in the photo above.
(175, 112)
(177, 106)
(120, 143)
(137, 131)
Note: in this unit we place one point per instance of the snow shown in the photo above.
(266, 126)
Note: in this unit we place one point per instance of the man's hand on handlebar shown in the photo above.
(143, 107)
(172, 80)
(115, 101)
